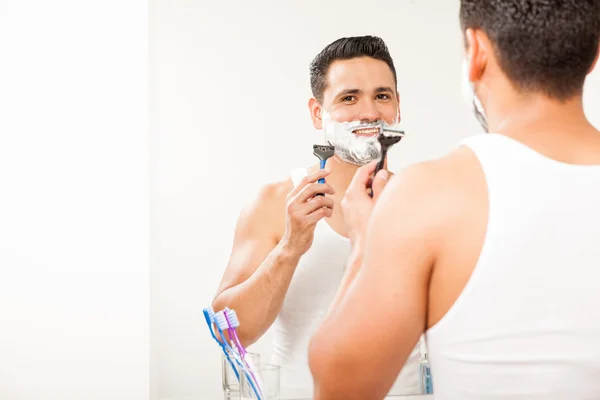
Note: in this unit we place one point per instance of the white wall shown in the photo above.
(74, 241)
(229, 92)
(591, 97)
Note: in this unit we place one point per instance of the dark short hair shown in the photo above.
(345, 49)
(544, 46)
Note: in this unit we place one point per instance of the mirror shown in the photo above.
(232, 111)
(235, 118)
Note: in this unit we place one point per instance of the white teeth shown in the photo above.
(366, 131)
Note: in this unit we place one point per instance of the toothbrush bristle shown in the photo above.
(221, 321)
(233, 319)
(211, 314)
(227, 314)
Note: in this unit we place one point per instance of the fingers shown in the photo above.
(365, 182)
(311, 211)
(316, 216)
(305, 201)
(379, 182)
(312, 178)
(317, 202)
(312, 189)
(362, 177)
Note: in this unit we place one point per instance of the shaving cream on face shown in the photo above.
(350, 147)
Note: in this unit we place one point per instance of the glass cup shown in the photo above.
(231, 385)
(268, 375)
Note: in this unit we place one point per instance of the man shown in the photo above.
(492, 250)
(291, 246)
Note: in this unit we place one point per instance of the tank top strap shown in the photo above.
(297, 175)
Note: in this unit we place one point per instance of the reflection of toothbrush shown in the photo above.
(424, 369)
(387, 141)
(209, 315)
(323, 152)
(233, 322)
(222, 325)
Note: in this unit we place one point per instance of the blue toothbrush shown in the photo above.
(209, 315)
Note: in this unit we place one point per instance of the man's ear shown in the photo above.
(316, 113)
(478, 47)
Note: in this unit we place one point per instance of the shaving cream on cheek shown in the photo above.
(351, 147)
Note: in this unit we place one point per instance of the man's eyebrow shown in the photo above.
(346, 92)
(382, 89)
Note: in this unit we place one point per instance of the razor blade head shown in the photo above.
(388, 141)
(389, 131)
(323, 152)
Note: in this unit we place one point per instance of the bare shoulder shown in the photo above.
(274, 193)
(446, 175)
(434, 193)
(265, 211)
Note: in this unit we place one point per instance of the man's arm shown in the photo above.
(261, 268)
(362, 345)
(357, 217)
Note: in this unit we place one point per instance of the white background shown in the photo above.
(74, 242)
(230, 88)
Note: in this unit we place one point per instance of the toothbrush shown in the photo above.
(218, 320)
(424, 369)
(386, 141)
(222, 325)
(209, 315)
(233, 322)
(323, 152)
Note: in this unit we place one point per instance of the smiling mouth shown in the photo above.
(367, 132)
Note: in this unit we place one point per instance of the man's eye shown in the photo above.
(383, 97)
(349, 98)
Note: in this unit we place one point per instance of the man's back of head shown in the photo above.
(545, 46)
(522, 52)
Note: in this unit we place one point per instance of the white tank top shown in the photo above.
(527, 324)
(313, 287)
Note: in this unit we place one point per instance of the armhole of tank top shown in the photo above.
(481, 259)
(297, 175)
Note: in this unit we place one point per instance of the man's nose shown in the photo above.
(369, 112)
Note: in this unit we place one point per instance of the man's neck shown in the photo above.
(521, 116)
(341, 173)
